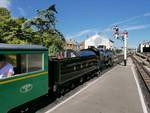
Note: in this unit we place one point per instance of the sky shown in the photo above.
(79, 19)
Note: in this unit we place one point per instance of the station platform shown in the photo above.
(116, 91)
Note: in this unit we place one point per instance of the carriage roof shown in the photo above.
(21, 47)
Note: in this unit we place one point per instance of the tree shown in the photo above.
(44, 25)
(11, 31)
(4, 14)
(39, 30)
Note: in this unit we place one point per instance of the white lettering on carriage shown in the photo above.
(26, 88)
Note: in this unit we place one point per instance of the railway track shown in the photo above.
(143, 71)
(145, 56)
(144, 77)
(148, 56)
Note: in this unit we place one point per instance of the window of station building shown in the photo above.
(31, 62)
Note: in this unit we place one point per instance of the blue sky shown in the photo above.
(79, 18)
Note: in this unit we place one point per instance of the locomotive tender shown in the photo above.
(37, 75)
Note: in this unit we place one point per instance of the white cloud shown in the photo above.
(22, 12)
(123, 23)
(147, 14)
(127, 20)
(131, 19)
(82, 33)
(108, 29)
(137, 27)
(5, 3)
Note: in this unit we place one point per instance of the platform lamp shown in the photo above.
(121, 36)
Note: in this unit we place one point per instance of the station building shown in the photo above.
(144, 47)
(82, 45)
(98, 40)
(71, 44)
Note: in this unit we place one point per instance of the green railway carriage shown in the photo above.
(30, 79)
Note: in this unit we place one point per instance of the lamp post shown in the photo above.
(122, 36)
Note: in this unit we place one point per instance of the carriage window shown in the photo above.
(7, 65)
(31, 62)
(11, 59)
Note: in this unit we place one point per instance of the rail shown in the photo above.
(143, 71)
(144, 76)
(145, 56)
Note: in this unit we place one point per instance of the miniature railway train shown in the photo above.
(37, 75)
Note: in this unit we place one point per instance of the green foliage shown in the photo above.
(45, 19)
(4, 14)
(12, 33)
(39, 30)
(44, 27)
(55, 42)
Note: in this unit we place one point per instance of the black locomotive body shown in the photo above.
(65, 73)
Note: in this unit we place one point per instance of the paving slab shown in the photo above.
(115, 92)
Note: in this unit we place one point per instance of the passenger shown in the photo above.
(6, 69)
